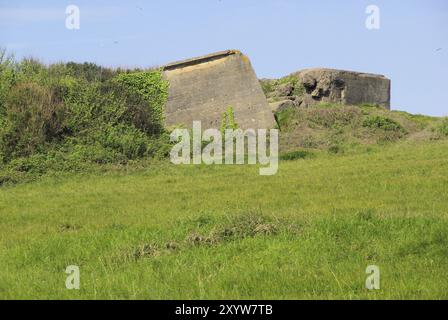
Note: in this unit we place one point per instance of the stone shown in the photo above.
(308, 82)
(282, 105)
(203, 88)
(285, 90)
(344, 87)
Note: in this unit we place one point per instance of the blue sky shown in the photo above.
(280, 37)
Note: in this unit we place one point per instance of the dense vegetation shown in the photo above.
(68, 115)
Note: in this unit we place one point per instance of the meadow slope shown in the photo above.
(181, 232)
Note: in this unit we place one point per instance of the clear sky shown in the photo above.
(280, 37)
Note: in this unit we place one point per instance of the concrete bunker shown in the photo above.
(313, 86)
(203, 88)
(344, 87)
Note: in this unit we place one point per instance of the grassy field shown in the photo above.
(225, 232)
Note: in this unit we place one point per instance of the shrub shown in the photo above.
(68, 115)
(35, 116)
(228, 120)
(283, 118)
(34, 164)
(335, 149)
(293, 81)
(87, 71)
(31, 70)
(7, 78)
(117, 114)
(267, 86)
(294, 155)
(86, 105)
(442, 128)
(276, 88)
(93, 153)
(138, 110)
(383, 123)
(153, 89)
(125, 139)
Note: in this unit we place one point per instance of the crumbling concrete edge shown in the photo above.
(199, 60)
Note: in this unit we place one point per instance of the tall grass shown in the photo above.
(185, 232)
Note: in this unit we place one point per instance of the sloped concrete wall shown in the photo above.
(203, 88)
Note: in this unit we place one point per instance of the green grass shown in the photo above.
(346, 129)
(185, 232)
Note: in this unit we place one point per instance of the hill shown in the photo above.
(341, 128)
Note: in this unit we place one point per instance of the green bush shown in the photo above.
(7, 78)
(298, 89)
(335, 149)
(93, 153)
(66, 116)
(31, 70)
(228, 120)
(153, 89)
(119, 117)
(283, 118)
(35, 115)
(442, 128)
(267, 86)
(383, 123)
(294, 155)
(270, 86)
(93, 105)
(86, 71)
(125, 139)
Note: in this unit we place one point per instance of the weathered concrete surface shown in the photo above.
(312, 86)
(203, 88)
(345, 87)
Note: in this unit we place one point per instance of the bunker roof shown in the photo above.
(199, 60)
